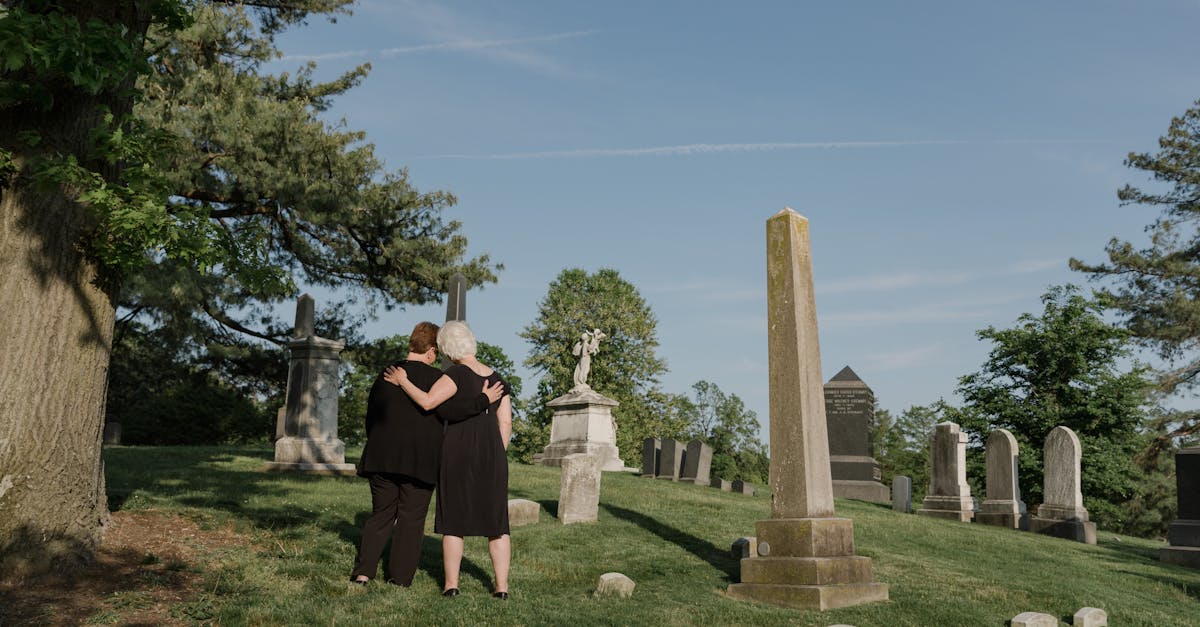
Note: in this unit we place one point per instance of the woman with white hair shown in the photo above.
(472, 489)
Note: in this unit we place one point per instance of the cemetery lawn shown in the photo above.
(259, 548)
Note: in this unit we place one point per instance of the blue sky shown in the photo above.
(951, 157)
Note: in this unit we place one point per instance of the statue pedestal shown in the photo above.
(582, 423)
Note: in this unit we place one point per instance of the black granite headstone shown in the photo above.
(651, 454)
(849, 414)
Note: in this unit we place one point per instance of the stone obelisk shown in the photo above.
(805, 554)
(456, 305)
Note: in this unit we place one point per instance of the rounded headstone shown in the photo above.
(1090, 617)
(523, 512)
(1034, 619)
(614, 584)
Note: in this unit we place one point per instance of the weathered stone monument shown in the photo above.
(949, 496)
(583, 420)
(670, 461)
(1062, 513)
(849, 414)
(523, 512)
(651, 454)
(902, 494)
(579, 491)
(805, 554)
(697, 461)
(456, 305)
(310, 419)
(1003, 506)
(1184, 533)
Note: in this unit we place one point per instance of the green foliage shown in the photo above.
(625, 368)
(1063, 368)
(902, 443)
(1155, 289)
(724, 423)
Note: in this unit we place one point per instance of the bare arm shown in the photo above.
(441, 391)
(504, 416)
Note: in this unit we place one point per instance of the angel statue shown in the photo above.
(588, 345)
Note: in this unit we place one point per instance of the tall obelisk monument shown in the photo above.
(805, 554)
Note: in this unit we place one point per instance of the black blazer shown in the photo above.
(402, 438)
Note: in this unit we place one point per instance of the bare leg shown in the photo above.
(452, 552)
(500, 547)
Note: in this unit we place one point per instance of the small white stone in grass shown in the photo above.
(614, 584)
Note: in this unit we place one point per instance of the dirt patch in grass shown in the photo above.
(145, 573)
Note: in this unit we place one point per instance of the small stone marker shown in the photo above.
(523, 512)
(671, 459)
(721, 484)
(651, 453)
(579, 493)
(806, 554)
(696, 463)
(949, 494)
(112, 433)
(744, 547)
(1062, 513)
(615, 584)
(1003, 506)
(1183, 535)
(902, 494)
(1090, 617)
(741, 487)
(1034, 619)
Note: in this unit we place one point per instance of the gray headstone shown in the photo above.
(949, 495)
(579, 491)
(902, 494)
(456, 298)
(1034, 619)
(615, 584)
(651, 452)
(1062, 513)
(523, 512)
(1184, 533)
(1090, 617)
(305, 317)
(721, 484)
(696, 463)
(744, 547)
(671, 459)
(112, 433)
(1003, 506)
(741, 487)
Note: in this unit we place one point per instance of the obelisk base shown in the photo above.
(1182, 555)
(1075, 529)
(872, 491)
(807, 563)
(310, 456)
(1001, 513)
(960, 508)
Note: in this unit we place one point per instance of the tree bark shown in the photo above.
(56, 325)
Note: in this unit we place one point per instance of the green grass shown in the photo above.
(671, 539)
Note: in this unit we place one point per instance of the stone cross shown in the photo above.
(1003, 506)
(1184, 534)
(305, 317)
(579, 490)
(1062, 513)
(949, 494)
(805, 555)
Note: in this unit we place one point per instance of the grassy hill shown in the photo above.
(301, 534)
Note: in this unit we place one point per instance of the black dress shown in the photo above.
(472, 491)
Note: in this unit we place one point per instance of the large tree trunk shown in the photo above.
(56, 323)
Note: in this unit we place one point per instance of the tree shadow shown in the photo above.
(717, 557)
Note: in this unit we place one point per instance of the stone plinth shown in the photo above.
(308, 442)
(583, 423)
(1062, 513)
(579, 491)
(670, 460)
(1184, 534)
(805, 555)
(1003, 506)
(949, 495)
(697, 461)
(849, 415)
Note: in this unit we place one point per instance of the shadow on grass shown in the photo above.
(716, 556)
(551, 507)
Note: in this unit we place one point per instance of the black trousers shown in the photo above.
(399, 504)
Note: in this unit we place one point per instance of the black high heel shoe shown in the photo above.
(450, 592)
(503, 596)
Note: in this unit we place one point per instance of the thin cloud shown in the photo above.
(897, 360)
(445, 46)
(928, 313)
(905, 280)
(695, 149)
